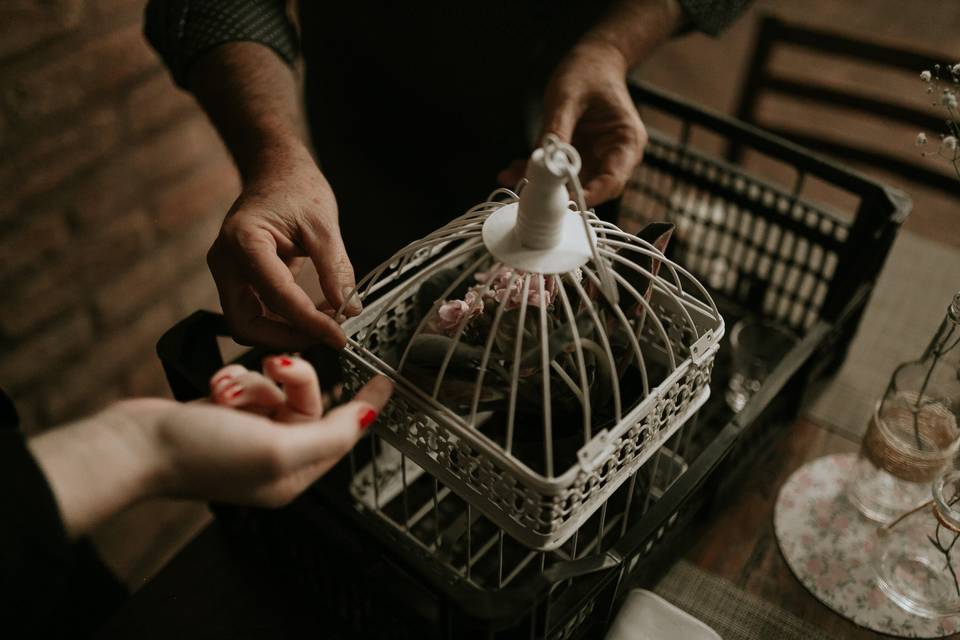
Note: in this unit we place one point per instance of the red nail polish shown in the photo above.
(367, 418)
(236, 394)
(215, 381)
(285, 362)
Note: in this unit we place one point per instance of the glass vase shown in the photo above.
(917, 555)
(913, 433)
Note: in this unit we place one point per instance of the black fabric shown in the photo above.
(49, 585)
(181, 30)
(9, 420)
(713, 16)
(414, 111)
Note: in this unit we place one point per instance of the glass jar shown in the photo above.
(913, 434)
(917, 556)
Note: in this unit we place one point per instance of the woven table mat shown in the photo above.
(732, 612)
(907, 305)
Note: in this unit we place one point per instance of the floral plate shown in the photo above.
(828, 545)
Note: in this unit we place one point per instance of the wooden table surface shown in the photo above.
(205, 593)
(739, 543)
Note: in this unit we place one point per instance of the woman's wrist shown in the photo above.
(102, 464)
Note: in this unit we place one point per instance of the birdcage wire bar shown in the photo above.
(540, 492)
(472, 547)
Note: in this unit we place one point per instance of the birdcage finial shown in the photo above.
(540, 233)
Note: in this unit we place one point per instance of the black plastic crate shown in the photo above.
(765, 248)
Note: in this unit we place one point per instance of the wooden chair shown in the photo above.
(762, 79)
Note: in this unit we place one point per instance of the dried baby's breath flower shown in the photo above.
(944, 89)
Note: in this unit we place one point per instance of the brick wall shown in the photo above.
(112, 187)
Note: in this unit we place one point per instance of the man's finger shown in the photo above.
(333, 270)
(513, 174)
(277, 289)
(561, 116)
(602, 188)
(615, 170)
(248, 325)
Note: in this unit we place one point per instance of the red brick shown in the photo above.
(143, 168)
(45, 352)
(25, 23)
(36, 238)
(116, 10)
(106, 362)
(147, 379)
(44, 162)
(155, 102)
(54, 286)
(103, 64)
(206, 193)
(177, 149)
(54, 412)
(197, 291)
(155, 276)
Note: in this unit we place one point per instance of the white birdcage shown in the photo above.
(540, 355)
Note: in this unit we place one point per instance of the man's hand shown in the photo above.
(587, 104)
(286, 212)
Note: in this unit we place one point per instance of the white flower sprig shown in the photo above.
(944, 88)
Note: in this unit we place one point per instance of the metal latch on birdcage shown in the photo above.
(595, 452)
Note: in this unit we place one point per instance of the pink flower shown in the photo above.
(499, 284)
(498, 277)
(452, 312)
(827, 582)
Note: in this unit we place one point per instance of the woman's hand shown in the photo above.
(264, 455)
(272, 450)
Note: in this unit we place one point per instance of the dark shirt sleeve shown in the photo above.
(183, 30)
(712, 16)
(50, 585)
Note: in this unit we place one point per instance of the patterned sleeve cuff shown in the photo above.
(182, 30)
(713, 16)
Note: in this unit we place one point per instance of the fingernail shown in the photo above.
(367, 418)
(354, 305)
(284, 362)
(214, 382)
(236, 393)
